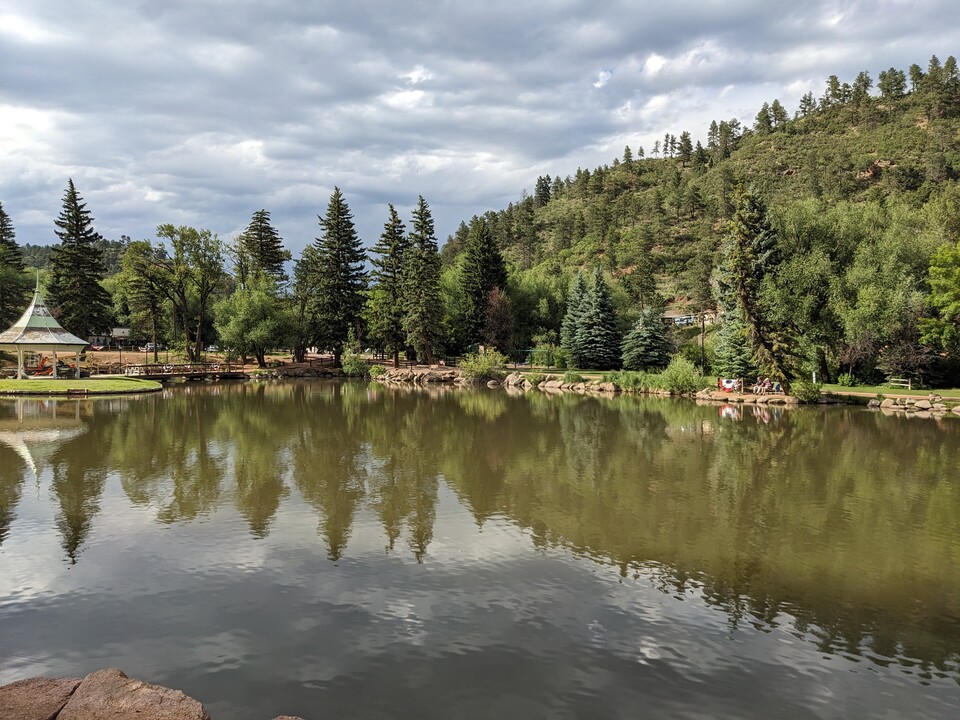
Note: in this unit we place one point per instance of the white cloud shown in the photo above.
(603, 77)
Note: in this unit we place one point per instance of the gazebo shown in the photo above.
(38, 331)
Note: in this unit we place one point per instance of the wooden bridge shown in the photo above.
(189, 371)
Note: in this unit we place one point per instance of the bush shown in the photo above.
(572, 377)
(535, 378)
(846, 380)
(561, 358)
(681, 376)
(353, 365)
(377, 370)
(805, 390)
(488, 365)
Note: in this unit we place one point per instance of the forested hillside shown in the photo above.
(827, 240)
(860, 187)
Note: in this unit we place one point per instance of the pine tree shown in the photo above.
(14, 284)
(750, 253)
(598, 337)
(263, 246)
(421, 285)
(341, 280)
(571, 320)
(646, 346)
(385, 304)
(81, 303)
(685, 148)
(732, 355)
(482, 270)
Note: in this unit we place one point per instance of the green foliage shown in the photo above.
(682, 376)
(732, 357)
(846, 380)
(354, 365)
(423, 312)
(572, 377)
(597, 336)
(14, 283)
(535, 378)
(339, 276)
(576, 298)
(806, 391)
(482, 270)
(253, 318)
(487, 365)
(263, 246)
(646, 346)
(385, 303)
(82, 304)
(943, 330)
(376, 371)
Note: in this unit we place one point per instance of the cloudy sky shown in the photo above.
(200, 112)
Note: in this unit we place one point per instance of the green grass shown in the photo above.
(93, 386)
(887, 390)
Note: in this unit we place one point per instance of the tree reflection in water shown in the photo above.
(843, 522)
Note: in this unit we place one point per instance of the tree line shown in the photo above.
(825, 241)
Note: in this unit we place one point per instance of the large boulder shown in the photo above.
(923, 405)
(36, 698)
(110, 695)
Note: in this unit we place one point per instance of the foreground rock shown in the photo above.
(36, 699)
(104, 695)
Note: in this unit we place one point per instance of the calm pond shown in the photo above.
(343, 550)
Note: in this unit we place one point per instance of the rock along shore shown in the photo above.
(103, 695)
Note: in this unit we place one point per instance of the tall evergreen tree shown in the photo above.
(646, 346)
(598, 337)
(263, 246)
(385, 303)
(571, 320)
(82, 304)
(341, 279)
(14, 284)
(482, 270)
(421, 285)
(750, 253)
(732, 355)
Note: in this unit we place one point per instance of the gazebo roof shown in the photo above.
(39, 330)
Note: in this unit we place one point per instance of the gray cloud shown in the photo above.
(203, 112)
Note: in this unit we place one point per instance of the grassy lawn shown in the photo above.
(49, 386)
(890, 391)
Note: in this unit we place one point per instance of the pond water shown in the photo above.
(344, 550)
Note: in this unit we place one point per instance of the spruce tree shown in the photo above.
(732, 355)
(14, 284)
(646, 346)
(340, 277)
(750, 253)
(421, 285)
(482, 271)
(385, 303)
(262, 244)
(571, 320)
(82, 304)
(598, 337)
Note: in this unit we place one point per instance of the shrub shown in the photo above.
(377, 370)
(846, 380)
(572, 377)
(488, 365)
(353, 365)
(561, 358)
(805, 390)
(535, 378)
(681, 376)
